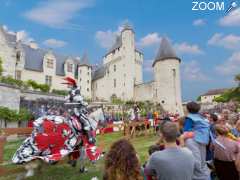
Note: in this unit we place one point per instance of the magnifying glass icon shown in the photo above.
(232, 6)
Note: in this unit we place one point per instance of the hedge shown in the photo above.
(60, 92)
(24, 84)
(12, 115)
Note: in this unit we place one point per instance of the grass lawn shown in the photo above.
(64, 171)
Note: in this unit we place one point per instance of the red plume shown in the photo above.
(69, 81)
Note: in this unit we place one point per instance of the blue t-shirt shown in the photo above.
(200, 127)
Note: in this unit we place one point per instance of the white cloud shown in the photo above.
(106, 39)
(231, 66)
(199, 22)
(149, 40)
(230, 41)
(191, 71)
(54, 43)
(232, 19)
(185, 48)
(58, 13)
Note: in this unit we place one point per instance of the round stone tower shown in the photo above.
(167, 85)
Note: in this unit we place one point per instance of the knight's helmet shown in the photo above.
(74, 97)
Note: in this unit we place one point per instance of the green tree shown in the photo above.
(199, 98)
(237, 79)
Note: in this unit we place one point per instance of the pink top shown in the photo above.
(232, 148)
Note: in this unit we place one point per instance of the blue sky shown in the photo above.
(208, 42)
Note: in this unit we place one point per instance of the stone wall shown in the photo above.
(9, 96)
(34, 95)
(13, 97)
(144, 92)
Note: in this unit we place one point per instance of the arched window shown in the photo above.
(114, 83)
(18, 56)
(50, 63)
(69, 67)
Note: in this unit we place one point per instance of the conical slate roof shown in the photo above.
(85, 60)
(165, 51)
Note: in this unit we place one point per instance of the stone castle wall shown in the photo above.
(11, 96)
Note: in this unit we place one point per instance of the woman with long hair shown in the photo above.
(121, 162)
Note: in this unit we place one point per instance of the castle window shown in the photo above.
(88, 81)
(114, 68)
(80, 79)
(174, 72)
(48, 80)
(18, 56)
(50, 63)
(87, 89)
(69, 67)
(114, 83)
(88, 73)
(163, 101)
(18, 75)
(80, 71)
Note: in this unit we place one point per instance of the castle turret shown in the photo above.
(85, 76)
(167, 88)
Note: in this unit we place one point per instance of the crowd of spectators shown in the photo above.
(199, 146)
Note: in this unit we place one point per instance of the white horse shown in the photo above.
(94, 118)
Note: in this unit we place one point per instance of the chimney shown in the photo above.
(18, 36)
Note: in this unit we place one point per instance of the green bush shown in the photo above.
(44, 87)
(12, 115)
(1, 68)
(33, 84)
(115, 100)
(36, 86)
(24, 115)
(60, 92)
(231, 94)
(11, 81)
(8, 114)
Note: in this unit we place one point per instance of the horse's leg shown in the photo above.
(30, 168)
(82, 159)
(40, 166)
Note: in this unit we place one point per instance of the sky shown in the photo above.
(207, 41)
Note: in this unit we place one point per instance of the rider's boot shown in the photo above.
(91, 138)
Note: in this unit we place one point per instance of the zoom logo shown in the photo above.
(215, 6)
(208, 6)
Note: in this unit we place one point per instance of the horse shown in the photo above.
(33, 156)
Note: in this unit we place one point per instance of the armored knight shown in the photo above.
(80, 111)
